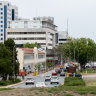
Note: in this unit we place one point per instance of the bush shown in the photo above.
(74, 81)
(8, 82)
(5, 83)
(17, 80)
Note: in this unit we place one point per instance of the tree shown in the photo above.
(82, 50)
(32, 45)
(58, 51)
(10, 45)
(6, 66)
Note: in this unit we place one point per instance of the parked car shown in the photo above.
(62, 74)
(76, 75)
(40, 84)
(54, 73)
(29, 81)
(54, 79)
(47, 78)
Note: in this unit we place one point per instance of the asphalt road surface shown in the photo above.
(41, 78)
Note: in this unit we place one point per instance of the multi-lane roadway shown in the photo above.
(41, 78)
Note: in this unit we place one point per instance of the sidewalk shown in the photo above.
(89, 75)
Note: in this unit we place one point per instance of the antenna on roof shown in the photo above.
(67, 27)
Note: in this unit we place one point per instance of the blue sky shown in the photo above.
(81, 14)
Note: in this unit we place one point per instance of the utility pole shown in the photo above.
(74, 53)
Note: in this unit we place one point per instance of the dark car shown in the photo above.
(76, 75)
(62, 74)
(64, 69)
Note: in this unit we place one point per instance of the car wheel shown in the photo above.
(57, 82)
(51, 82)
(26, 83)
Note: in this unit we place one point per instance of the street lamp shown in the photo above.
(74, 53)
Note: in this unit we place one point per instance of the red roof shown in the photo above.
(31, 50)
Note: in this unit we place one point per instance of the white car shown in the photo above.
(29, 81)
(54, 79)
(47, 78)
(40, 84)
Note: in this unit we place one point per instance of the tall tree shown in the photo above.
(6, 66)
(10, 45)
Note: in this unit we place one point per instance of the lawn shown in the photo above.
(87, 70)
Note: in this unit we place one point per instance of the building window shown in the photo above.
(1, 21)
(8, 4)
(1, 12)
(1, 17)
(1, 30)
(1, 8)
(1, 25)
(0, 3)
(1, 38)
(1, 34)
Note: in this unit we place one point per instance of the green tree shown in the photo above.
(6, 66)
(82, 50)
(10, 45)
(32, 45)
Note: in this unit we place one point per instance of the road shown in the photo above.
(40, 78)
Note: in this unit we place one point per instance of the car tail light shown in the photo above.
(42, 86)
(57, 78)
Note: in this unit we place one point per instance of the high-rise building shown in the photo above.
(8, 13)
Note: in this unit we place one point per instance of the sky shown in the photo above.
(81, 14)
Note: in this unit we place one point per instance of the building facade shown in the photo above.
(29, 57)
(8, 13)
(41, 30)
(62, 37)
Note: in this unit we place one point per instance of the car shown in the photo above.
(64, 69)
(29, 80)
(40, 84)
(47, 78)
(75, 74)
(54, 79)
(54, 73)
(78, 75)
(62, 74)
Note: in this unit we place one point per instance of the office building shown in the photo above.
(8, 13)
(41, 30)
(62, 37)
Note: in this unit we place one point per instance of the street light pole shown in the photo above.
(74, 54)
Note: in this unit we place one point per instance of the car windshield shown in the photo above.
(29, 78)
(54, 77)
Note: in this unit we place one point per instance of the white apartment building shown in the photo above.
(8, 13)
(62, 37)
(41, 30)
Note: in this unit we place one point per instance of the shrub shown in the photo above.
(8, 82)
(74, 81)
(5, 83)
